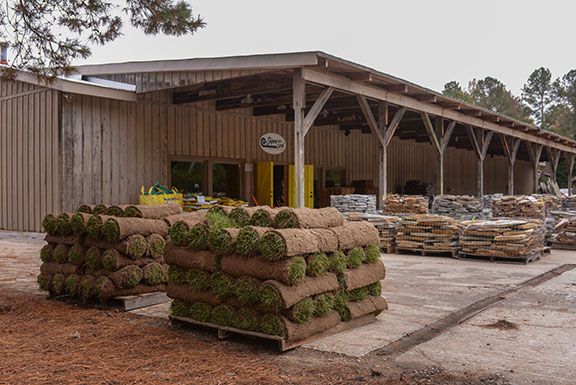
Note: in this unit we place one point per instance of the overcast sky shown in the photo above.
(426, 42)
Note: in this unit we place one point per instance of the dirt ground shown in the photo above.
(49, 342)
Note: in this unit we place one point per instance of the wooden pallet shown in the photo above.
(283, 344)
(388, 249)
(560, 246)
(509, 259)
(427, 253)
(125, 303)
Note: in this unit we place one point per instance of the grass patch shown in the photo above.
(44, 281)
(94, 226)
(76, 254)
(273, 325)
(285, 219)
(222, 315)
(93, 259)
(357, 295)
(57, 284)
(46, 253)
(77, 224)
(270, 299)
(221, 284)
(296, 270)
(217, 219)
(136, 246)
(302, 311)
(60, 253)
(156, 245)
(50, 224)
(240, 216)
(197, 238)
(261, 218)
(374, 289)
(356, 257)
(111, 231)
(246, 290)
(246, 319)
(341, 300)
(154, 273)
(272, 247)
(323, 304)
(372, 254)
(318, 264)
(338, 262)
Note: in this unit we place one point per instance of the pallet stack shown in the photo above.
(569, 202)
(405, 204)
(428, 234)
(457, 206)
(565, 234)
(521, 239)
(387, 226)
(103, 252)
(310, 273)
(521, 206)
(354, 203)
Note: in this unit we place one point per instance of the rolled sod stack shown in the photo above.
(308, 274)
(102, 252)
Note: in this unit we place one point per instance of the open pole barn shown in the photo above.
(267, 128)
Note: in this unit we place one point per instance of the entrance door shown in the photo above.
(265, 183)
(308, 185)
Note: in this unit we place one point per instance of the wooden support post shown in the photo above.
(535, 152)
(440, 138)
(510, 150)
(571, 158)
(554, 158)
(480, 144)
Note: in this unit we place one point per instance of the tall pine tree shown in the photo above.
(538, 94)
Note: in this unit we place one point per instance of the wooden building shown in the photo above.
(253, 121)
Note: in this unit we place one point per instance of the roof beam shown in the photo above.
(369, 116)
(315, 110)
(370, 91)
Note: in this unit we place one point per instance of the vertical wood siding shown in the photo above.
(29, 155)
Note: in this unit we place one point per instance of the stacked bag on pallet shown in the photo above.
(428, 232)
(458, 206)
(506, 238)
(101, 252)
(405, 204)
(304, 273)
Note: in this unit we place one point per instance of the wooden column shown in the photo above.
(480, 142)
(570, 156)
(535, 152)
(510, 146)
(440, 138)
(384, 134)
(302, 123)
(554, 158)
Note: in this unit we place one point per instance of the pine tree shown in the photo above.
(537, 94)
(45, 36)
(565, 90)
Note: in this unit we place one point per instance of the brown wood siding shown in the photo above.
(29, 155)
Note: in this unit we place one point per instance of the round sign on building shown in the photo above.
(272, 143)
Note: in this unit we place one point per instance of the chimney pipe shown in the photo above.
(3, 52)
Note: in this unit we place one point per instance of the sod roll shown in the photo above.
(317, 264)
(116, 229)
(196, 238)
(57, 284)
(60, 253)
(194, 278)
(76, 254)
(264, 216)
(181, 256)
(94, 225)
(356, 234)
(49, 223)
(302, 311)
(93, 259)
(127, 277)
(323, 304)
(246, 290)
(155, 273)
(188, 217)
(44, 281)
(99, 209)
(65, 240)
(279, 244)
(87, 287)
(296, 332)
(46, 253)
(105, 289)
(364, 275)
(186, 293)
(198, 311)
(72, 285)
(246, 318)
(326, 239)
(248, 239)
(78, 222)
(289, 271)
(86, 209)
(179, 229)
(242, 215)
(287, 296)
(115, 210)
(113, 260)
(153, 212)
(63, 227)
(223, 241)
(370, 305)
(308, 218)
(156, 244)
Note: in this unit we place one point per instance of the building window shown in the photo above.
(226, 180)
(334, 178)
(188, 177)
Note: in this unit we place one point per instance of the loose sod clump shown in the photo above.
(197, 238)
(341, 305)
(77, 224)
(285, 219)
(222, 315)
(356, 257)
(99, 209)
(128, 277)
(93, 259)
(63, 226)
(46, 253)
(221, 284)
(246, 319)
(50, 224)
(302, 311)
(372, 254)
(318, 264)
(44, 281)
(58, 284)
(338, 262)
(272, 247)
(180, 308)
(60, 253)
(94, 226)
(357, 295)
(323, 304)
(114, 211)
(374, 289)
(261, 218)
(240, 216)
(178, 233)
(137, 245)
(156, 245)
(246, 290)
(273, 325)
(247, 242)
(111, 231)
(270, 299)
(72, 285)
(76, 254)
(200, 311)
(296, 270)
(154, 273)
